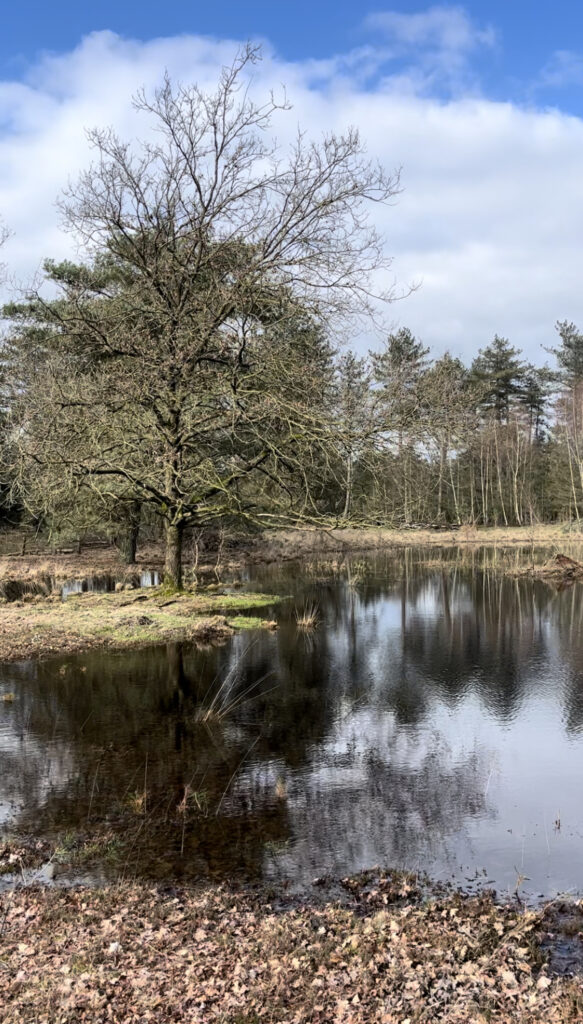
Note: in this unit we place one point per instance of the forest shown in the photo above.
(196, 367)
(395, 438)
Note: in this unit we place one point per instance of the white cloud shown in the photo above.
(563, 69)
(437, 44)
(442, 28)
(488, 221)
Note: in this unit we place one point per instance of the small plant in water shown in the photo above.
(276, 846)
(280, 788)
(520, 880)
(226, 699)
(198, 798)
(307, 618)
(356, 574)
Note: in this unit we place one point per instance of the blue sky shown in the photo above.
(480, 105)
(536, 53)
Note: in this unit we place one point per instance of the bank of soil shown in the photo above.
(45, 627)
(381, 952)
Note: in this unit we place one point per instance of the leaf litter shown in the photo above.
(383, 951)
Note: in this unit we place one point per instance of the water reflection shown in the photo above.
(100, 583)
(432, 721)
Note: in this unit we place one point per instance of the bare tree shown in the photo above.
(203, 245)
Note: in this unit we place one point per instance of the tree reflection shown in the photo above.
(338, 758)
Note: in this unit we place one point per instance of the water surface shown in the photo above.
(432, 721)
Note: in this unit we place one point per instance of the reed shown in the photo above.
(308, 617)
(227, 698)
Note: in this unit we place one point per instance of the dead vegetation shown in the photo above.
(136, 953)
(560, 569)
(307, 618)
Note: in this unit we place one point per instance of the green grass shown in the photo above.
(127, 619)
(246, 622)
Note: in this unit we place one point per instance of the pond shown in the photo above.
(432, 720)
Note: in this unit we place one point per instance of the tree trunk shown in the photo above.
(440, 481)
(173, 564)
(499, 476)
(455, 495)
(129, 542)
(348, 497)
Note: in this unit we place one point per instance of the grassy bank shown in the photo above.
(128, 619)
(281, 545)
(286, 544)
(378, 953)
(37, 626)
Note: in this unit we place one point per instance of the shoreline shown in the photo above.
(282, 545)
(39, 624)
(382, 951)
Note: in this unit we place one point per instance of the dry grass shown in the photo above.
(228, 696)
(52, 627)
(93, 562)
(285, 544)
(282, 545)
(308, 617)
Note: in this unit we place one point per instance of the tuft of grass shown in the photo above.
(137, 802)
(77, 849)
(308, 617)
(194, 798)
(356, 574)
(226, 698)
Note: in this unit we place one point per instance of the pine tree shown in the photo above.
(570, 352)
(501, 373)
(398, 372)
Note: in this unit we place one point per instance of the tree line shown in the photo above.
(189, 369)
(496, 442)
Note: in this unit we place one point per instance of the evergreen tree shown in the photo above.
(398, 370)
(570, 352)
(501, 374)
(539, 383)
